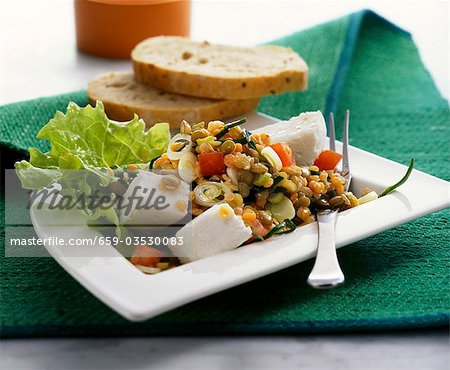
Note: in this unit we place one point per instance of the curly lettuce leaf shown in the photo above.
(35, 177)
(98, 141)
(85, 139)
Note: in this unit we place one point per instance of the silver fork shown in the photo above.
(326, 272)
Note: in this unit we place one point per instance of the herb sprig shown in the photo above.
(391, 188)
(228, 126)
(284, 227)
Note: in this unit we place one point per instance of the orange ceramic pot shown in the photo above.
(112, 28)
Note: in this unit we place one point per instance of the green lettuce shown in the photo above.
(35, 177)
(88, 134)
(84, 138)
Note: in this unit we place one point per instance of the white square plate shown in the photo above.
(137, 296)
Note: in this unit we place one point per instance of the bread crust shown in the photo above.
(123, 111)
(216, 87)
(201, 82)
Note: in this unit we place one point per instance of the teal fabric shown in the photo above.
(398, 279)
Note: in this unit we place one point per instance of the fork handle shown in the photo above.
(326, 272)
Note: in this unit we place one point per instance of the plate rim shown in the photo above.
(140, 309)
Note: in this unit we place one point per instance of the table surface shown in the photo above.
(43, 32)
(408, 351)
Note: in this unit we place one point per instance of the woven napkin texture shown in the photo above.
(397, 279)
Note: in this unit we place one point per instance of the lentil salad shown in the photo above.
(240, 185)
(258, 178)
(248, 178)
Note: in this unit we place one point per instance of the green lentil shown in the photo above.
(244, 189)
(246, 177)
(259, 168)
(185, 128)
(199, 134)
(228, 146)
(336, 201)
(198, 126)
(265, 217)
(303, 201)
(321, 203)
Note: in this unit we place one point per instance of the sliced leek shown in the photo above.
(210, 193)
(187, 167)
(178, 145)
(368, 197)
(283, 209)
(272, 157)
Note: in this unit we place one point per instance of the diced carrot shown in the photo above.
(258, 228)
(285, 153)
(211, 163)
(327, 160)
(146, 256)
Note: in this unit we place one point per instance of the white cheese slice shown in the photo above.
(305, 135)
(148, 201)
(215, 231)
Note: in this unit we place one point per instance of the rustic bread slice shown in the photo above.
(183, 66)
(122, 96)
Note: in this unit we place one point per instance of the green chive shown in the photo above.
(391, 188)
(273, 188)
(230, 125)
(252, 145)
(279, 229)
(259, 237)
(277, 180)
(277, 190)
(150, 166)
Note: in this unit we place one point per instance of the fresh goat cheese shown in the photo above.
(215, 231)
(153, 199)
(305, 135)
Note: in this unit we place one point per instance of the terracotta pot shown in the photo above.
(112, 28)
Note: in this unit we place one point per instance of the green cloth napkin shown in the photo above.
(397, 279)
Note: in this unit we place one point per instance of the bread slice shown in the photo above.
(122, 96)
(183, 66)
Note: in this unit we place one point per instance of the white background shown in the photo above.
(38, 57)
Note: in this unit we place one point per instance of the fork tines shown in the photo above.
(345, 160)
(332, 133)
